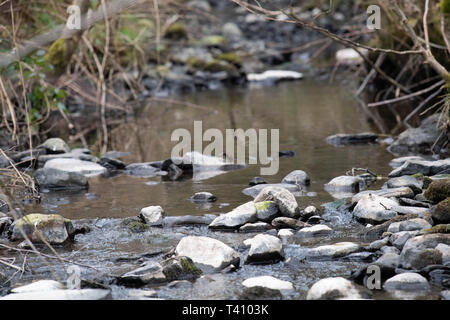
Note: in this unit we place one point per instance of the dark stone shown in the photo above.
(257, 180)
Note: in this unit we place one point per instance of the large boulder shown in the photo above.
(74, 165)
(241, 215)
(438, 190)
(441, 213)
(297, 177)
(374, 209)
(419, 140)
(152, 216)
(54, 228)
(419, 252)
(207, 253)
(265, 249)
(285, 200)
(56, 179)
(335, 289)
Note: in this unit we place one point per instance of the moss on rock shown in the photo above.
(438, 190)
(440, 228)
(441, 213)
(176, 31)
(230, 57)
(56, 54)
(213, 41)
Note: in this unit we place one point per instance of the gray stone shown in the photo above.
(336, 250)
(374, 209)
(418, 252)
(346, 139)
(266, 210)
(388, 262)
(55, 145)
(74, 165)
(54, 228)
(386, 193)
(418, 140)
(409, 225)
(308, 212)
(335, 289)
(148, 273)
(57, 179)
(152, 216)
(265, 249)
(297, 177)
(255, 227)
(407, 281)
(427, 168)
(207, 253)
(239, 216)
(345, 183)
(405, 181)
(285, 200)
(144, 170)
(389, 249)
(319, 230)
(254, 191)
(231, 31)
(378, 244)
(399, 239)
(203, 197)
(397, 162)
(285, 222)
(444, 251)
(285, 234)
(206, 219)
(445, 295)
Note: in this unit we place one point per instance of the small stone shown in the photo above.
(285, 222)
(335, 289)
(265, 249)
(203, 197)
(268, 282)
(441, 213)
(266, 210)
(257, 180)
(297, 177)
(55, 145)
(239, 216)
(153, 216)
(255, 227)
(319, 230)
(285, 200)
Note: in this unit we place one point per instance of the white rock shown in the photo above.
(74, 165)
(274, 75)
(40, 285)
(268, 282)
(334, 250)
(334, 289)
(444, 250)
(349, 56)
(207, 253)
(406, 281)
(153, 215)
(84, 294)
(314, 231)
(265, 248)
(373, 208)
(239, 216)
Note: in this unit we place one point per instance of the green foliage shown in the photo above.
(445, 6)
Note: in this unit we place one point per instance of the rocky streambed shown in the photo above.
(293, 236)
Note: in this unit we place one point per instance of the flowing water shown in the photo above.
(305, 112)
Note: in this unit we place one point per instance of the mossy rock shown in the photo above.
(264, 205)
(56, 54)
(39, 228)
(180, 268)
(440, 228)
(176, 31)
(438, 190)
(213, 41)
(441, 213)
(219, 66)
(194, 63)
(230, 57)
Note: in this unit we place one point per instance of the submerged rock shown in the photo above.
(145, 170)
(283, 198)
(200, 197)
(335, 289)
(406, 281)
(241, 215)
(58, 180)
(74, 165)
(53, 228)
(265, 249)
(207, 253)
(153, 216)
(345, 139)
